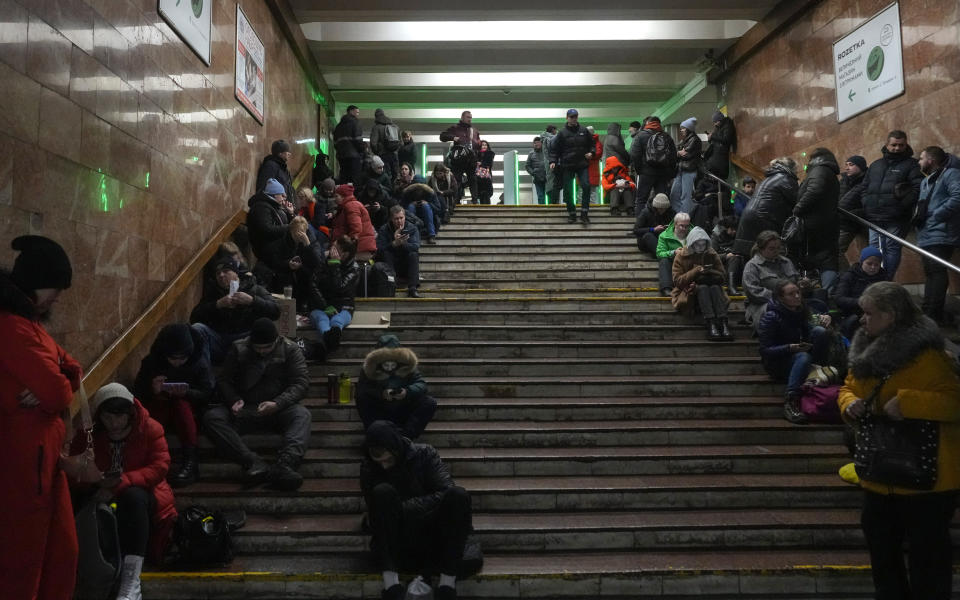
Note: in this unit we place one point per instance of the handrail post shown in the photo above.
(899, 239)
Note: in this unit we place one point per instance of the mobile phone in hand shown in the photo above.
(174, 387)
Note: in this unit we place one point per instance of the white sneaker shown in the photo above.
(130, 578)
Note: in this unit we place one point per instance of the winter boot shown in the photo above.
(713, 332)
(189, 469)
(571, 218)
(256, 472)
(283, 475)
(584, 218)
(725, 333)
(130, 578)
(732, 284)
(444, 592)
(791, 409)
(331, 338)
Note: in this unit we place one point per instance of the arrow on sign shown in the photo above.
(851, 95)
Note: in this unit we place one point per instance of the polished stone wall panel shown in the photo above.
(97, 95)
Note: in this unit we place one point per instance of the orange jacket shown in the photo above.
(614, 170)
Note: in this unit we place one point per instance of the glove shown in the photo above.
(330, 311)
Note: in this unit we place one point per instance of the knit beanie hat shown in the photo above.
(345, 190)
(42, 263)
(859, 161)
(225, 261)
(388, 341)
(870, 251)
(690, 124)
(273, 188)
(264, 331)
(377, 161)
(660, 201)
(718, 116)
(279, 146)
(327, 187)
(111, 391)
(175, 339)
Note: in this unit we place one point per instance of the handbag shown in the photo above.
(483, 172)
(898, 453)
(793, 231)
(80, 468)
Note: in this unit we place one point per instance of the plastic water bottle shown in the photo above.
(344, 388)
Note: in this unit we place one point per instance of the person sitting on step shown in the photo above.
(698, 272)
(398, 244)
(722, 239)
(850, 286)
(175, 382)
(418, 517)
(418, 198)
(767, 266)
(392, 389)
(669, 243)
(332, 293)
(131, 451)
(263, 380)
(654, 219)
(791, 340)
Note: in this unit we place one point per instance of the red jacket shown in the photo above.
(146, 461)
(593, 167)
(613, 171)
(352, 219)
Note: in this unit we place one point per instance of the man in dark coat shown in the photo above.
(570, 155)
(348, 142)
(817, 206)
(466, 135)
(890, 191)
(770, 205)
(274, 166)
(383, 144)
(653, 220)
(938, 224)
(398, 244)
(418, 516)
(721, 142)
(262, 383)
(851, 199)
(650, 177)
(267, 219)
(537, 169)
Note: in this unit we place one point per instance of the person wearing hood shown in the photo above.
(551, 185)
(332, 293)
(38, 538)
(537, 169)
(274, 166)
(898, 369)
(890, 190)
(817, 205)
(613, 145)
(418, 198)
(377, 201)
(722, 238)
(392, 389)
(445, 188)
(376, 171)
(570, 155)
(770, 205)
(408, 149)
(463, 134)
(267, 219)
(651, 176)
(419, 518)
(851, 199)
(766, 267)
(722, 140)
(791, 340)
(398, 244)
(698, 273)
(131, 451)
(348, 142)
(688, 167)
(175, 382)
(654, 219)
(263, 381)
(669, 243)
(353, 220)
(385, 141)
(851, 285)
(938, 223)
(229, 306)
(618, 185)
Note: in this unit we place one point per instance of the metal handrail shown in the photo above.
(902, 241)
(720, 192)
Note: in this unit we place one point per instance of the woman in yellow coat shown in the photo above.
(898, 342)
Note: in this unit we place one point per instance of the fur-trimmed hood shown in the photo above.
(404, 357)
(892, 350)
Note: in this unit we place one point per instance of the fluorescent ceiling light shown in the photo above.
(507, 80)
(503, 114)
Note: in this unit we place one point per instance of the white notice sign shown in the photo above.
(868, 64)
(191, 20)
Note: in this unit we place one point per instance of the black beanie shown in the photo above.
(279, 146)
(225, 260)
(41, 264)
(264, 331)
(636, 124)
(174, 340)
(859, 161)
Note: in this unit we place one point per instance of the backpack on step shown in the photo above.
(378, 280)
(391, 137)
(98, 567)
(202, 537)
(661, 151)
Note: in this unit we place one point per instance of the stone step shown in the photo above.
(496, 234)
(678, 331)
(534, 266)
(539, 302)
(587, 276)
(533, 227)
(558, 493)
(599, 317)
(544, 291)
(531, 257)
(576, 246)
(559, 285)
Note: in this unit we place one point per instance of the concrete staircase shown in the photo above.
(611, 451)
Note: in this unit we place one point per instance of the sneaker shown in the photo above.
(283, 477)
(585, 218)
(791, 410)
(256, 473)
(571, 219)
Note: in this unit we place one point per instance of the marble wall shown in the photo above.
(118, 142)
(783, 100)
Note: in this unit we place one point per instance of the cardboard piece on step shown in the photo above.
(287, 323)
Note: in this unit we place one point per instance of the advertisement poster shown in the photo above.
(250, 67)
(868, 64)
(191, 20)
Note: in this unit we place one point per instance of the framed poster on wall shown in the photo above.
(251, 62)
(191, 20)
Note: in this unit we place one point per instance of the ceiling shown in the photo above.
(519, 65)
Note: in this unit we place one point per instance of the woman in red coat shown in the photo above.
(131, 451)
(38, 538)
(352, 220)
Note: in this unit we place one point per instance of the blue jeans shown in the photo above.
(217, 343)
(541, 191)
(889, 248)
(795, 367)
(323, 323)
(681, 192)
(583, 176)
(425, 212)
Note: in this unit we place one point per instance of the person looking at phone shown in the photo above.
(398, 244)
(131, 451)
(175, 383)
(392, 389)
(765, 269)
(791, 340)
(332, 292)
(263, 380)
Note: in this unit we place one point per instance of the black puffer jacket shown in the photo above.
(768, 209)
(891, 187)
(817, 206)
(419, 476)
(348, 137)
(721, 142)
(692, 144)
(274, 167)
(851, 198)
(239, 319)
(335, 284)
(267, 224)
(850, 287)
(570, 146)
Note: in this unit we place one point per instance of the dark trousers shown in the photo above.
(471, 183)
(713, 305)
(217, 344)
(647, 242)
(734, 267)
(645, 185)
(923, 522)
(391, 164)
(566, 177)
(404, 262)
(665, 267)
(411, 416)
(350, 170)
(935, 287)
(439, 538)
(224, 430)
(541, 187)
(134, 507)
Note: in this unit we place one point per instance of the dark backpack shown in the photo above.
(660, 151)
(202, 537)
(462, 159)
(377, 281)
(391, 137)
(98, 567)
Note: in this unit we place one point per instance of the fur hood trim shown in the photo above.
(892, 350)
(404, 357)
